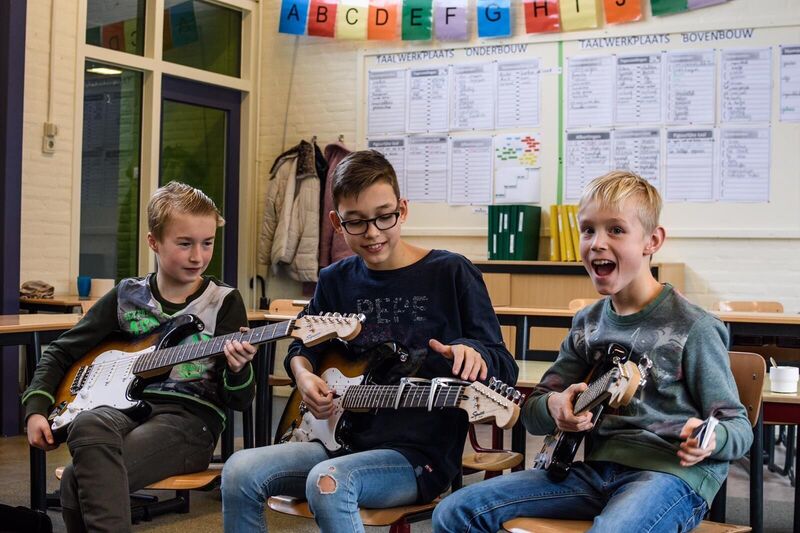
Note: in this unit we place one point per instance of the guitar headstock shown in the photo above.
(497, 402)
(314, 329)
(626, 384)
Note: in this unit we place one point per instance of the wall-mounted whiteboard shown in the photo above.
(709, 116)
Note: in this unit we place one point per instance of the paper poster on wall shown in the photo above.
(450, 20)
(517, 158)
(473, 96)
(579, 14)
(541, 16)
(351, 20)
(428, 99)
(639, 150)
(470, 171)
(746, 85)
(790, 83)
(587, 156)
(426, 168)
(689, 165)
(386, 102)
(518, 94)
(590, 91)
(638, 93)
(744, 161)
(394, 150)
(691, 82)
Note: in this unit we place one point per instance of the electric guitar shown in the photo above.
(615, 388)
(352, 383)
(116, 372)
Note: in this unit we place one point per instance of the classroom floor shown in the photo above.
(205, 515)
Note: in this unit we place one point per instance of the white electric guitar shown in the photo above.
(115, 372)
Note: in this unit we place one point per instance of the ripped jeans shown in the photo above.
(335, 488)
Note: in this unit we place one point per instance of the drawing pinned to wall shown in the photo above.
(494, 18)
(517, 159)
(450, 20)
(790, 84)
(541, 16)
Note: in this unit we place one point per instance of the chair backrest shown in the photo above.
(752, 306)
(286, 306)
(748, 371)
(580, 303)
(86, 305)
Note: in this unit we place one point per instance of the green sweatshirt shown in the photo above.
(134, 308)
(690, 377)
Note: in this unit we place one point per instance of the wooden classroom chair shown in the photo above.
(398, 518)
(580, 303)
(181, 484)
(286, 306)
(492, 461)
(748, 371)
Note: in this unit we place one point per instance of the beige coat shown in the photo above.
(289, 236)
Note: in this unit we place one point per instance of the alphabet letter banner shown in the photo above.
(668, 7)
(494, 18)
(541, 16)
(293, 17)
(351, 19)
(579, 14)
(417, 20)
(383, 20)
(450, 17)
(322, 18)
(618, 11)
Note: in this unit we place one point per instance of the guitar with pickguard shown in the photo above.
(357, 386)
(615, 388)
(116, 372)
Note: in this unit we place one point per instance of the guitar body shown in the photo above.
(559, 450)
(339, 372)
(104, 377)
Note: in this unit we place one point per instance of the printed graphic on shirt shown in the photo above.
(140, 322)
(401, 309)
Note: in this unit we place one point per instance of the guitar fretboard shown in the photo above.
(189, 352)
(413, 395)
(596, 389)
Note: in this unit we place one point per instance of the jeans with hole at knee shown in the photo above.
(616, 497)
(335, 488)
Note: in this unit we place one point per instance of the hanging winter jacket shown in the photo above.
(289, 236)
(331, 244)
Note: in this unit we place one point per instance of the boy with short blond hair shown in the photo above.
(644, 471)
(114, 454)
(431, 301)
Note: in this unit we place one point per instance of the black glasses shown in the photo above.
(360, 226)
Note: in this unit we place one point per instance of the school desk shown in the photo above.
(59, 303)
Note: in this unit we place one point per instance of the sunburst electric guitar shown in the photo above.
(353, 382)
(115, 373)
(615, 388)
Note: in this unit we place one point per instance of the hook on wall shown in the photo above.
(341, 137)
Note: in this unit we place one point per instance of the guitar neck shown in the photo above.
(385, 396)
(183, 353)
(594, 393)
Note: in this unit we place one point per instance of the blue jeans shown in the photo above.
(335, 488)
(616, 497)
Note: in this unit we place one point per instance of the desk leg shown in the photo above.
(521, 337)
(518, 436)
(266, 360)
(38, 459)
(796, 527)
(757, 476)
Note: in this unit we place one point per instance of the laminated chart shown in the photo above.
(587, 156)
(470, 171)
(394, 150)
(473, 97)
(426, 168)
(744, 164)
(428, 100)
(790, 83)
(690, 165)
(638, 92)
(746, 85)
(639, 150)
(386, 102)
(590, 91)
(516, 168)
(518, 94)
(691, 81)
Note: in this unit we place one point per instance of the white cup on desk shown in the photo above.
(784, 379)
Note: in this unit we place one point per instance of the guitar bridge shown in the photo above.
(80, 379)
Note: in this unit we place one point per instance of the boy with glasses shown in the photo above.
(431, 301)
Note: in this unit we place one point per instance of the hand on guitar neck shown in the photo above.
(466, 361)
(560, 405)
(238, 354)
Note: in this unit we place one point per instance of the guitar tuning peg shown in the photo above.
(492, 382)
(510, 392)
(337, 315)
(502, 388)
(517, 396)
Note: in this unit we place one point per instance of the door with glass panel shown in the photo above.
(200, 147)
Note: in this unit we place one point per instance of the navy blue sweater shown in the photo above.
(442, 296)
